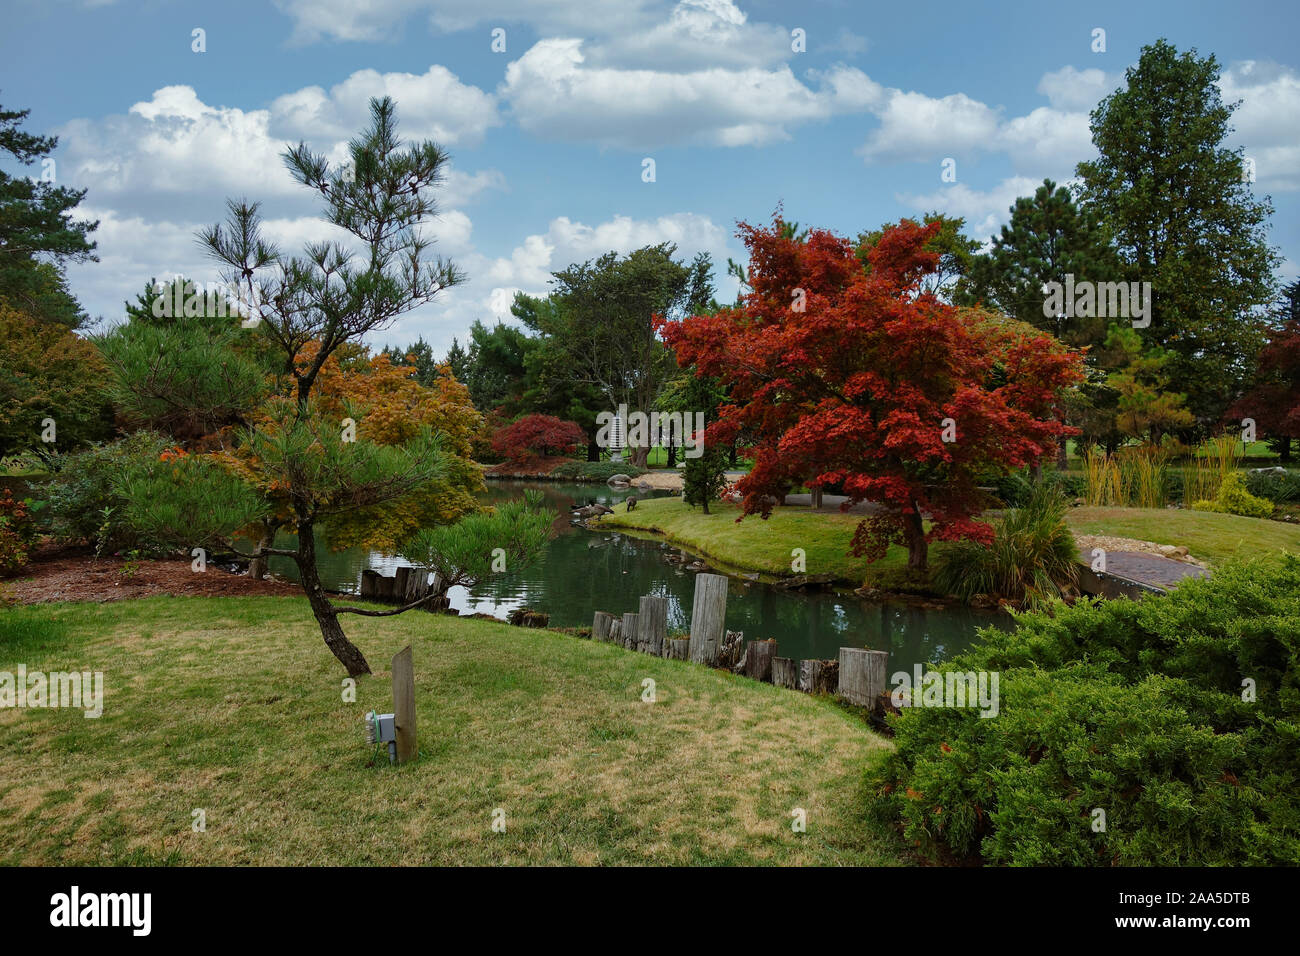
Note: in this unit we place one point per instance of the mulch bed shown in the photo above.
(75, 574)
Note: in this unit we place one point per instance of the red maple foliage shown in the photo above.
(1274, 401)
(537, 435)
(843, 370)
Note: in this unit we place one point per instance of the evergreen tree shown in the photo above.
(1047, 237)
(38, 235)
(1185, 220)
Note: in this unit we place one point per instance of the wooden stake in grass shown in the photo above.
(404, 705)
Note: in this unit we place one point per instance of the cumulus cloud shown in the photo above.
(984, 210)
(917, 127)
(1075, 91)
(433, 105)
(1267, 124)
(554, 92)
(174, 158)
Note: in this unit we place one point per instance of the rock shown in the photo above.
(620, 479)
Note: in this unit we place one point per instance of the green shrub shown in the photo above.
(1277, 486)
(1033, 555)
(1136, 709)
(1233, 498)
(595, 470)
(84, 509)
(1016, 488)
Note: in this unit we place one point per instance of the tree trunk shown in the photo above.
(816, 498)
(346, 652)
(258, 565)
(672, 448)
(914, 533)
(593, 451)
(639, 456)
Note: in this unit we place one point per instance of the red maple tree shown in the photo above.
(535, 435)
(844, 371)
(1274, 401)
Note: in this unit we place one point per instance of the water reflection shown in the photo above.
(585, 571)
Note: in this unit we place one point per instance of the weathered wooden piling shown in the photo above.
(616, 631)
(819, 677)
(785, 672)
(732, 651)
(630, 630)
(653, 624)
(708, 617)
(758, 659)
(600, 626)
(678, 649)
(863, 675)
(369, 583)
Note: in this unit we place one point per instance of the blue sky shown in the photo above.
(548, 137)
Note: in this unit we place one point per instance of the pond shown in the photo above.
(587, 571)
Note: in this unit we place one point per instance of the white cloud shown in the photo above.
(554, 92)
(1267, 123)
(921, 128)
(1072, 90)
(434, 105)
(529, 265)
(984, 210)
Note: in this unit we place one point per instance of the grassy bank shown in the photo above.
(765, 546)
(233, 706)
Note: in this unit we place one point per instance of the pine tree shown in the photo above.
(38, 235)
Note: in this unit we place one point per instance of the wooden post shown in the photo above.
(369, 584)
(708, 617)
(404, 705)
(863, 675)
(785, 672)
(600, 625)
(819, 677)
(616, 631)
(653, 624)
(630, 632)
(383, 588)
(401, 581)
(678, 649)
(732, 650)
(758, 659)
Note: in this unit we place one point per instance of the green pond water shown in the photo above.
(587, 571)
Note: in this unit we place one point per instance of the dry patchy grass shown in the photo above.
(234, 706)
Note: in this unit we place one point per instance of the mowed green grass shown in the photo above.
(765, 546)
(758, 544)
(1208, 535)
(234, 706)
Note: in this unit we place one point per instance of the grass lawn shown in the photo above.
(758, 545)
(233, 705)
(765, 546)
(1208, 535)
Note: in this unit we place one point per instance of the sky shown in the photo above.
(842, 112)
